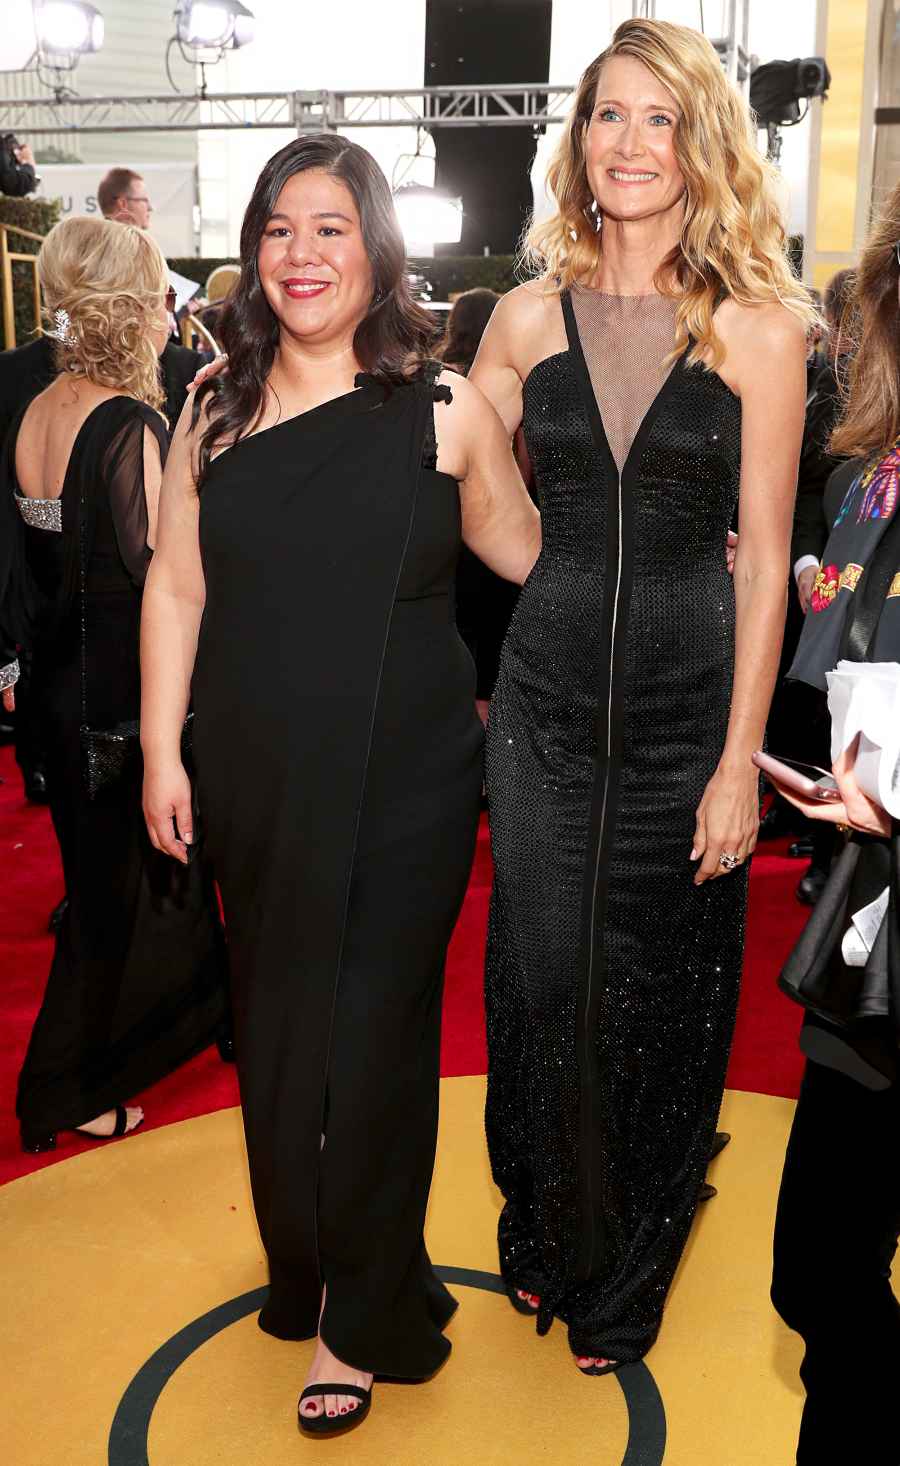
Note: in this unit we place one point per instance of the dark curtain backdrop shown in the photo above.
(482, 42)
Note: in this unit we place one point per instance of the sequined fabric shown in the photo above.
(612, 980)
(41, 513)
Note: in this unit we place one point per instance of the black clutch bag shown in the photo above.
(111, 754)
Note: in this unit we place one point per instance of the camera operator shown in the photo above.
(17, 173)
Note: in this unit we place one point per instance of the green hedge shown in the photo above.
(38, 215)
(447, 276)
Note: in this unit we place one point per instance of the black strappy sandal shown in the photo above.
(333, 1424)
(519, 1304)
(33, 1144)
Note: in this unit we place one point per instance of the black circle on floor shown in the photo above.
(128, 1436)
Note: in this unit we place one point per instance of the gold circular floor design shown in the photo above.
(109, 1254)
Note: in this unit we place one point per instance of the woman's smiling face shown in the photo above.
(632, 168)
(312, 259)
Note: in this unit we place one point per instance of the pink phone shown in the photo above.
(806, 779)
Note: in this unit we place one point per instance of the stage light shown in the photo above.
(65, 30)
(428, 217)
(778, 87)
(213, 25)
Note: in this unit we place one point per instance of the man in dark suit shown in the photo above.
(17, 175)
(814, 514)
(812, 517)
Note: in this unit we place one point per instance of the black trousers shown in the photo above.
(835, 1237)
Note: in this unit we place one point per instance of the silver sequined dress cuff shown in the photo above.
(9, 675)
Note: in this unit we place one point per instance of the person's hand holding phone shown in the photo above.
(853, 808)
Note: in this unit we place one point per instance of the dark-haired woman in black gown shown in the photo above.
(307, 594)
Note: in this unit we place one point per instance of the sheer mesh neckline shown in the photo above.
(625, 340)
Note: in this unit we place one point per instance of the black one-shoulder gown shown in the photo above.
(339, 760)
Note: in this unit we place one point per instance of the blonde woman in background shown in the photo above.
(657, 365)
(135, 986)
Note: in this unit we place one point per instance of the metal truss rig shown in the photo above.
(525, 105)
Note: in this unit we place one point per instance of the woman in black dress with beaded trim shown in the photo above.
(337, 745)
(137, 980)
(658, 376)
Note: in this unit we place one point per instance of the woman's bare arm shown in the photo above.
(500, 522)
(174, 597)
(516, 337)
(766, 359)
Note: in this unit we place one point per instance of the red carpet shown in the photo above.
(765, 1055)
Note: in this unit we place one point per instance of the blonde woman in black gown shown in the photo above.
(306, 596)
(137, 981)
(657, 367)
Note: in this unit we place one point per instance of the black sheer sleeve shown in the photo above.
(123, 474)
(18, 593)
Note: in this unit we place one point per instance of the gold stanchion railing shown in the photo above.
(194, 333)
(7, 258)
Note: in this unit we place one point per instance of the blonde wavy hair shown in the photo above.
(870, 422)
(109, 280)
(732, 239)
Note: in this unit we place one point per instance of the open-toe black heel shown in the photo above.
(720, 1140)
(34, 1143)
(519, 1304)
(596, 1369)
(333, 1424)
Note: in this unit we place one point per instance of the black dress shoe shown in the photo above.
(812, 885)
(225, 1045)
(56, 916)
(720, 1140)
(36, 786)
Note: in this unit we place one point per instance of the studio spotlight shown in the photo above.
(427, 217)
(213, 25)
(65, 30)
(778, 88)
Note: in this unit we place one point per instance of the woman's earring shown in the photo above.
(598, 217)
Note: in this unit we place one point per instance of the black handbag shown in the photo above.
(110, 754)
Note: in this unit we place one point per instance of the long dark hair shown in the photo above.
(466, 326)
(390, 340)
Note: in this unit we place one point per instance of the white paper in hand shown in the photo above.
(864, 699)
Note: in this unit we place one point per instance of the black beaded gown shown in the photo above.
(612, 980)
(339, 758)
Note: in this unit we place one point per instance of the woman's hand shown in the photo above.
(727, 821)
(805, 582)
(854, 808)
(731, 544)
(212, 369)
(167, 809)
